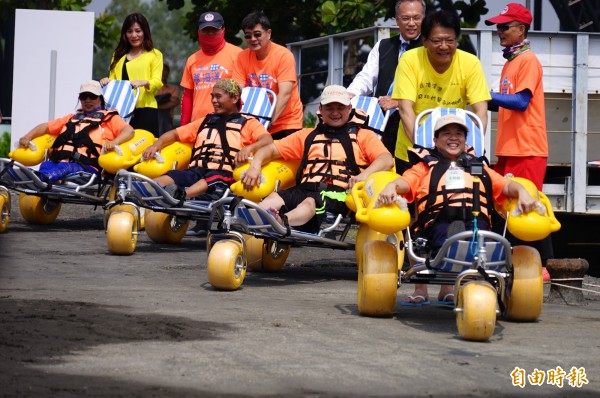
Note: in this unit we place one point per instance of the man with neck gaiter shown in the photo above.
(521, 141)
(213, 62)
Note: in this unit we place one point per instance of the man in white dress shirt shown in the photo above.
(377, 76)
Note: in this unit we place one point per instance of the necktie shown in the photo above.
(403, 48)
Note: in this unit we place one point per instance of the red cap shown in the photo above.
(512, 12)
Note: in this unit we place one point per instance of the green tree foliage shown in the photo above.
(167, 34)
(290, 20)
(4, 145)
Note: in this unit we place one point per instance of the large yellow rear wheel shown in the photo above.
(265, 256)
(226, 268)
(377, 279)
(121, 232)
(476, 310)
(38, 210)
(164, 228)
(525, 292)
(254, 250)
(274, 255)
(4, 213)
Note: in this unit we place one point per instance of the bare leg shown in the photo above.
(303, 213)
(164, 180)
(196, 189)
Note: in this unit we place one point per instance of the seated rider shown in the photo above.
(334, 156)
(222, 141)
(82, 136)
(441, 182)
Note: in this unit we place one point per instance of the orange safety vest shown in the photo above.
(329, 158)
(81, 138)
(219, 140)
(449, 204)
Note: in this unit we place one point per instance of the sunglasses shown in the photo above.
(86, 96)
(256, 35)
(503, 27)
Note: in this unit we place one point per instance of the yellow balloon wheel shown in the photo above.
(226, 268)
(254, 252)
(525, 290)
(38, 210)
(274, 255)
(377, 279)
(164, 228)
(4, 214)
(366, 234)
(121, 232)
(476, 310)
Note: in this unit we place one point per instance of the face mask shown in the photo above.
(212, 44)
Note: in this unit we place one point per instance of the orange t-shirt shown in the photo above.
(369, 145)
(202, 71)
(522, 133)
(279, 66)
(251, 131)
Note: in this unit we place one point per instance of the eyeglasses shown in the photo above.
(438, 42)
(407, 18)
(256, 35)
(503, 27)
(86, 96)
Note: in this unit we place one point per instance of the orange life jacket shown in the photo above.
(329, 158)
(219, 140)
(450, 204)
(81, 139)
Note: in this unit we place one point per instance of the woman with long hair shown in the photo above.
(135, 59)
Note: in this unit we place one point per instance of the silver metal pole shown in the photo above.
(52, 99)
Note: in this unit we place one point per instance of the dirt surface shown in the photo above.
(78, 321)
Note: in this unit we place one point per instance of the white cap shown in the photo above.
(91, 86)
(335, 93)
(445, 120)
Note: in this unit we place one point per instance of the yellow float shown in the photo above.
(128, 153)
(175, 156)
(35, 153)
(535, 225)
(387, 219)
(277, 171)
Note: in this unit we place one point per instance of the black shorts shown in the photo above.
(188, 177)
(292, 197)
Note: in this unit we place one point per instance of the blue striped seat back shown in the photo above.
(119, 95)
(259, 102)
(460, 250)
(424, 131)
(377, 117)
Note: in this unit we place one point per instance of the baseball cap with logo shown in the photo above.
(335, 93)
(512, 12)
(445, 120)
(210, 19)
(90, 86)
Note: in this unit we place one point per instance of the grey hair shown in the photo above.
(397, 6)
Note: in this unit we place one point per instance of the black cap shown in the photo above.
(212, 19)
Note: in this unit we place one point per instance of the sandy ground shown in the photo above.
(78, 321)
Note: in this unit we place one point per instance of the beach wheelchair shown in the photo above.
(39, 200)
(167, 218)
(490, 277)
